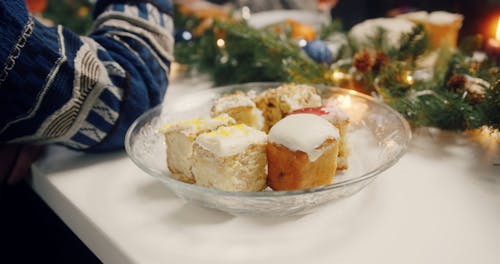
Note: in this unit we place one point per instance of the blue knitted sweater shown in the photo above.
(82, 91)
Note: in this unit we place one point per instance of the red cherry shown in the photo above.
(319, 110)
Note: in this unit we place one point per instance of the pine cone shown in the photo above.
(381, 60)
(475, 98)
(476, 89)
(457, 82)
(364, 60)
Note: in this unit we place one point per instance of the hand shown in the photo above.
(16, 161)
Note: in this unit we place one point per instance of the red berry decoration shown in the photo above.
(319, 110)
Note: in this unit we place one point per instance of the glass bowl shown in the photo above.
(378, 136)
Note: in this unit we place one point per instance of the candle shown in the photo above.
(353, 106)
(493, 45)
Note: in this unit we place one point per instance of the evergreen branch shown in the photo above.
(413, 44)
(251, 55)
(329, 29)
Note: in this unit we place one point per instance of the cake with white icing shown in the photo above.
(302, 152)
(240, 107)
(304, 149)
(278, 102)
(231, 158)
(179, 138)
(339, 118)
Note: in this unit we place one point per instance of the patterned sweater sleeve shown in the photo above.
(82, 91)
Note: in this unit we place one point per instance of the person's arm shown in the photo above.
(83, 92)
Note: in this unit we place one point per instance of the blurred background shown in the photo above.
(479, 15)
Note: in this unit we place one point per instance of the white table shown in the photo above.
(439, 204)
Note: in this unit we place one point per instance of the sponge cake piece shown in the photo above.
(231, 158)
(179, 138)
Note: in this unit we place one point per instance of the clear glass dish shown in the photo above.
(378, 137)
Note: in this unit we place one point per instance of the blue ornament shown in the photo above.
(318, 51)
(182, 36)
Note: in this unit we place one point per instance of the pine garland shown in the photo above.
(250, 55)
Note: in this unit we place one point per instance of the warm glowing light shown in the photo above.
(498, 30)
(494, 43)
(490, 133)
(355, 108)
(489, 140)
(409, 79)
(352, 92)
(336, 76)
(344, 101)
(221, 43)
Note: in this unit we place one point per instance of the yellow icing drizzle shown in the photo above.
(227, 131)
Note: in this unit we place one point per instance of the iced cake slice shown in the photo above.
(277, 103)
(179, 138)
(240, 107)
(231, 158)
(302, 152)
(339, 118)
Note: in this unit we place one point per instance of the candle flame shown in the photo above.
(338, 75)
(498, 30)
(409, 79)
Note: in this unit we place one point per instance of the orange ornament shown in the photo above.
(207, 13)
(302, 30)
(36, 6)
(204, 11)
(83, 11)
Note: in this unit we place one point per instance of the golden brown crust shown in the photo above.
(242, 115)
(268, 103)
(237, 107)
(276, 103)
(289, 170)
(182, 177)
